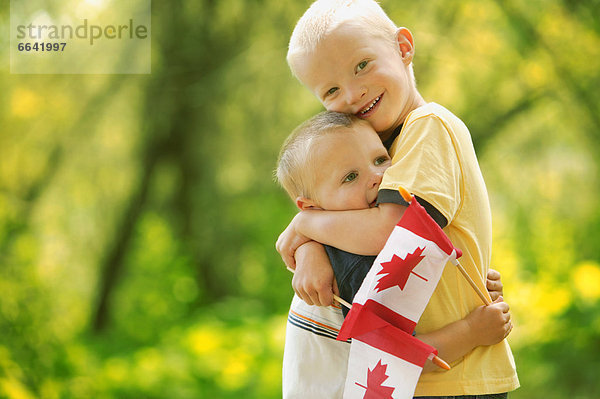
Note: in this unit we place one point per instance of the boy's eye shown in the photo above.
(350, 177)
(381, 160)
(331, 91)
(361, 65)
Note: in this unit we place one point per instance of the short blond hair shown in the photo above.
(323, 16)
(295, 166)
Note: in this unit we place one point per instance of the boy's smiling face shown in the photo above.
(348, 167)
(355, 72)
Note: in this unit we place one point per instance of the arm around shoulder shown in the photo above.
(362, 232)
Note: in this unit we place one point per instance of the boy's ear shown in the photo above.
(406, 45)
(305, 203)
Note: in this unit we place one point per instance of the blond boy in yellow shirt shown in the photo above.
(357, 61)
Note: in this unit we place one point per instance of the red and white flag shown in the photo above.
(385, 363)
(403, 276)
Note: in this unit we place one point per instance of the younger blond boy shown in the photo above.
(336, 162)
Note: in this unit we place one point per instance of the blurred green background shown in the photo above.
(138, 213)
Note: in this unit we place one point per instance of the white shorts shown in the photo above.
(314, 363)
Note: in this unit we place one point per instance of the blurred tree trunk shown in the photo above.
(112, 266)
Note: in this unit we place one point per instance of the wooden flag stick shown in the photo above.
(343, 302)
(471, 282)
(438, 361)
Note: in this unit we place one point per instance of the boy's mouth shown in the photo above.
(366, 111)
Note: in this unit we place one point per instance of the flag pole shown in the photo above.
(471, 282)
(408, 197)
(438, 361)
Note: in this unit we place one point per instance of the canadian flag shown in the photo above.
(385, 363)
(403, 277)
(385, 359)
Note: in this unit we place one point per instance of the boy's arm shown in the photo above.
(486, 325)
(362, 232)
(313, 279)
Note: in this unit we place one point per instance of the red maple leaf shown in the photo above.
(375, 378)
(397, 270)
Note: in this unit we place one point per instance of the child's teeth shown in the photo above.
(370, 106)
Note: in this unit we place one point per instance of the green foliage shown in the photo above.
(138, 214)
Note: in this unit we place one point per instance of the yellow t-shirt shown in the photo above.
(433, 157)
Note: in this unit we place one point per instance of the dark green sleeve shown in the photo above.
(394, 197)
(350, 270)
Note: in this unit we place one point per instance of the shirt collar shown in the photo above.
(390, 140)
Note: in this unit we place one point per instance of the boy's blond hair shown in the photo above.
(323, 16)
(295, 166)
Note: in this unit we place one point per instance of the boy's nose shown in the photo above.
(353, 95)
(376, 178)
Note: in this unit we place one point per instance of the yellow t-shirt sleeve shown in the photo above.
(425, 162)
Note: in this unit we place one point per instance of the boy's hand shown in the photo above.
(494, 284)
(289, 241)
(490, 324)
(313, 280)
